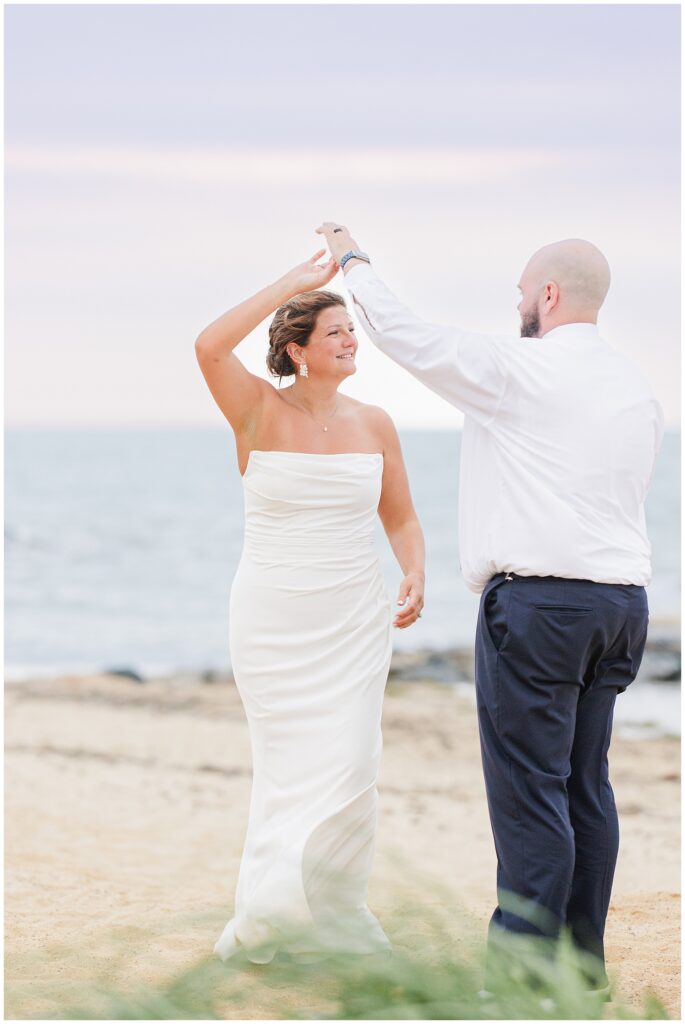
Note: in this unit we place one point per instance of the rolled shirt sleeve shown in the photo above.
(468, 370)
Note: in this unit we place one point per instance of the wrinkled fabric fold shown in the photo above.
(310, 637)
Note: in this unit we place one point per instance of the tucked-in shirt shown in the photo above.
(559, 441)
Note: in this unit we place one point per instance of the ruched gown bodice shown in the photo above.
(310, 637)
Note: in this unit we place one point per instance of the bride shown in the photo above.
(310, 623)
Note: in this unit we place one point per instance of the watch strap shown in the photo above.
(353, 254)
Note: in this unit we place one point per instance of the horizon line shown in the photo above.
(669, 428)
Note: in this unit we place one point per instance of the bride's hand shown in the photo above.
(411, 599)
(306, 277)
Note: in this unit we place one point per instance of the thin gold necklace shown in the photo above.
(318, 422)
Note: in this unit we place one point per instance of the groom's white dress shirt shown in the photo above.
(558, 447)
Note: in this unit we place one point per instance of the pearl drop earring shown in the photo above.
(304, 372)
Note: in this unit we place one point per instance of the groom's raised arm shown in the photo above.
(468, 370)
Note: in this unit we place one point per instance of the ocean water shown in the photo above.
(120, 548)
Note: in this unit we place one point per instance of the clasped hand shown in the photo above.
(310, 275)
(338, 238)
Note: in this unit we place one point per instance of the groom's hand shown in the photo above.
(339, 240)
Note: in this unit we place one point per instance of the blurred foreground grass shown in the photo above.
(434, 973)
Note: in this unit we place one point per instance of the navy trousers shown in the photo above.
(551, 656)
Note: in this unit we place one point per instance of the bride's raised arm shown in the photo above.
(238, 393)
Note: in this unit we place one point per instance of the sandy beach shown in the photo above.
(126, 805)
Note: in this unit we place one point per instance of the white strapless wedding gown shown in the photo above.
(310, 637)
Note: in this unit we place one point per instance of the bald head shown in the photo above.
(565, 282)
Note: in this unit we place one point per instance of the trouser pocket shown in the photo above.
(494, 612)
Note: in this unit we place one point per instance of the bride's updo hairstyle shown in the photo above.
(294, 321)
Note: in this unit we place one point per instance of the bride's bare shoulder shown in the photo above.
(373, 417)
(374, 413)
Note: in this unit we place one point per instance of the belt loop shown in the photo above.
(509, 577)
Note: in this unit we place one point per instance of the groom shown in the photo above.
(560, 436)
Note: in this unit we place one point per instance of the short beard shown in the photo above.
(530, 324)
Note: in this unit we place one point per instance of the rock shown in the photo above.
(214, 676)
(125, 673)
(661, 661)
(449, 666)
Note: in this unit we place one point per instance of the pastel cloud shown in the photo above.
(279, 167)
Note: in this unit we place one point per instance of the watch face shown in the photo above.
(354, 254)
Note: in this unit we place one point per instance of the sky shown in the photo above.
(165, 162)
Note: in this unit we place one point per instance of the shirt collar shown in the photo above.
(580, 330)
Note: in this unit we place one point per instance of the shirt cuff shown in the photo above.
(357, 273)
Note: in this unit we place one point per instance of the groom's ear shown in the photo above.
(551, 294)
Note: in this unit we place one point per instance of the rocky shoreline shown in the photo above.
(661, 664)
